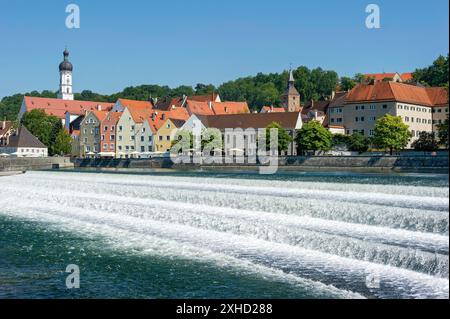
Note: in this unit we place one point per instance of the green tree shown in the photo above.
(391, 133)
(184, 140)
(443, 133)
(43, 126)
(358, 143)
(212, 139)
(284, 139)
(313, 137)
(340, 140)
(434, 75)
(426, 142)
(347, 83)
(62, 145)
(204, 89)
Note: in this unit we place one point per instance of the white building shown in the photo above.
(24, 144)
(65, 79)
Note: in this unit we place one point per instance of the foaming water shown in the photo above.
(327, 238)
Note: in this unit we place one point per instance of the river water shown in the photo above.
(224, 235)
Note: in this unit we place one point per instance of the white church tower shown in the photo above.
(65, 78)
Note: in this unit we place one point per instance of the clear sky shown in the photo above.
(173, 42)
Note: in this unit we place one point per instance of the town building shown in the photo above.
(66, 110)
(108, 134)
(89, 136)
(21, 143)
(290, 121)
(166, 134)
(366, 103)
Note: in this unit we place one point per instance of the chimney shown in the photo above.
(271, 108)
(99, 107)
(210, 105)
(3, 126)
(333, 94)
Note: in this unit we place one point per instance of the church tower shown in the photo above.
(291, 99)
(65, 78)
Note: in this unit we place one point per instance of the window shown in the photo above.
(149, 148)
(373, 107)
(406, 119)
(167, 138)
(120, 128)
(143, 130)
(132, 127)
(103, 137)
(127, 148)
(362, 119)
(112, 128)
(371, 133)
(85, 140)
(332, 120)
(400, 107)
(105, 147)
(112, 137)
(119, 148)
(132, 148)
(149, 138)
(142, 138)
(339, 119)
(372, 118)
(84, 131)
(413, 108)
(356, 119)
(142, 149)
(120, 137)
(384, 106)
(160, 138)
(439, 110)
(168, 125)
(111, 146)
(106, 128)
(133, 137)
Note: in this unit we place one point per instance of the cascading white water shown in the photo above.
(329, 233)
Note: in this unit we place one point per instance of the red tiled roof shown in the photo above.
(222, 108)
(135, 103)
(199, 108)
(101, 115)
(58, 107)
(204, 98)
(407, 77)
(288, 120)
(438, 96)
(400, 92)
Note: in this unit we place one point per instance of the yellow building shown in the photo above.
(166, 134)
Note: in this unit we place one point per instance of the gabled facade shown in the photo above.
(89, 137)
(166, 134)
(108, 134)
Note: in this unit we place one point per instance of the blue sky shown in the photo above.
(173, 42)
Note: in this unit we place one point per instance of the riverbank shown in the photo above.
(9, 165)
(431, 164)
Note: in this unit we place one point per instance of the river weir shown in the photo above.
(183, 235)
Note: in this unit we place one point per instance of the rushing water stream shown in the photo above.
(225, 235)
